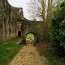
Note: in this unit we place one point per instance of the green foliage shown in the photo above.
(52, 58)
(57, 29)
(48, 52)
(30, 35)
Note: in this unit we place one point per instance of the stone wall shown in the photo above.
(12, 21)
(37, 27)
(8, 21)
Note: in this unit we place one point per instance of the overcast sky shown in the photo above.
(22, 4)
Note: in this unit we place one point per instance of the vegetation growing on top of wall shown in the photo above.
(57, 29)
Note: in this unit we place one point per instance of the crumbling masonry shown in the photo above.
(9, 24)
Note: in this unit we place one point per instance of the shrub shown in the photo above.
(57, 29)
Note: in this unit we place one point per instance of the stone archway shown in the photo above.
(30, 38)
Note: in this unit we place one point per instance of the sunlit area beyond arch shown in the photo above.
(30, 35)
(30, 38)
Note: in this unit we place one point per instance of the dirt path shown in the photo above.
(28, 55)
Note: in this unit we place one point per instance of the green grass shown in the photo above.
(8, 51)
(51, 56)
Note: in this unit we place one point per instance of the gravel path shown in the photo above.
(28, 55)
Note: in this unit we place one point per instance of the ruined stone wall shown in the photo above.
(37, 27)
(8, 21)
(11, 23)
(2, 21)
(17, 16)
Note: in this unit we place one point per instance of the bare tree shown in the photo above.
(51, 5)
(37, 8)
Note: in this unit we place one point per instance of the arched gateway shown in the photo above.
(30, 38)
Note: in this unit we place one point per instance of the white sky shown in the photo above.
(21, 4)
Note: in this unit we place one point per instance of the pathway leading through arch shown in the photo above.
(30, 38)
(28, 55)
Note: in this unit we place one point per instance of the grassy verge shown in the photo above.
(8, 51)
(47, 51)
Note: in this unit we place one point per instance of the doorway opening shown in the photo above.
(19, 33)
(30, 38)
